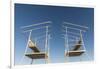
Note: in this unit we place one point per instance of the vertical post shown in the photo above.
(32, 61)
(48, 47)
(83, 44)
(81, 38)
(46, 43)
(26, 45)
(66, 45)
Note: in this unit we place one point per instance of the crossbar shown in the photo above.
(75, 29)
(75, 25)
(34, 29)
(47, 22)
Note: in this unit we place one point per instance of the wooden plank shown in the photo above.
(34, 48)
(74, 53)
(36, 55)
(76, 47)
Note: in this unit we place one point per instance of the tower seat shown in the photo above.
(75, 53)
(40, 55)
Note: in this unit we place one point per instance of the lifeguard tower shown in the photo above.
(33, 45)
(73, 36)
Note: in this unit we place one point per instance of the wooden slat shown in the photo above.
(74, 53)
(78, 45)
(36, 55)
(33, 46)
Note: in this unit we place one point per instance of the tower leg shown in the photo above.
(32, 61)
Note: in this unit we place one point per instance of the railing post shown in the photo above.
(46, 43)
(66, 44)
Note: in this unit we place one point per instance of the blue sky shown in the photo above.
(27, 14)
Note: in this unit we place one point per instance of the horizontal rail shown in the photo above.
(69, 35)
(72, 36)
(74, 28)
(34, 29)
(36, 24)
(73, 33)
(75, 25)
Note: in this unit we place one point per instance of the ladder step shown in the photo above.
(36, 55)
(74, 53)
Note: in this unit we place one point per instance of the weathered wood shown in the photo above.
(36, 55)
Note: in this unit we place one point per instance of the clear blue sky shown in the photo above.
(27, 14)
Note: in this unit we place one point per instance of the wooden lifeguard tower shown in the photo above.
(78, 47)
(36, 52)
